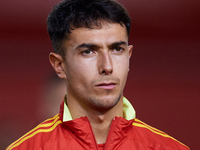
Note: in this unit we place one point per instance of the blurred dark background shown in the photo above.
(164, 80)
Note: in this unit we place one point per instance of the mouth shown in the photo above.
(107, 86)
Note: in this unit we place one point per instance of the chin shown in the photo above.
(106, 103)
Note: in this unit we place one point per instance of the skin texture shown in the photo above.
(95, 69)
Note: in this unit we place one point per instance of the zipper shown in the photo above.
(95, 142)
(110, 132)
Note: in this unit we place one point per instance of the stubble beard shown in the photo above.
(103, 104)
(99, 103)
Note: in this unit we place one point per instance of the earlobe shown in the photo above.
(57, 63)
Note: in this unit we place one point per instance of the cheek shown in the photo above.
(122, 69)
(80, 72)
(122, 65)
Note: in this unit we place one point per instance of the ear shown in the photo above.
(130, 49)
(57, 63)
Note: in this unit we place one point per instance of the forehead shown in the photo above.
(106, 34)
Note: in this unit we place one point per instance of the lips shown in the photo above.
(107, 86)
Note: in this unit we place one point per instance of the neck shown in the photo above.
(100, 121)
(100, 130)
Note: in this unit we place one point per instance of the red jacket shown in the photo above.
(124, 134)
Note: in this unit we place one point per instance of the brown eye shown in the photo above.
(88, 52)
(118, 49)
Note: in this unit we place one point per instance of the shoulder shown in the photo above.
(38, 135)
(155, 137)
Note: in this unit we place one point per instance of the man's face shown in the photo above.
(96, 65)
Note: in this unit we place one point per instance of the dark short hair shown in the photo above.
(71, 14)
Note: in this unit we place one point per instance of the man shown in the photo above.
(91, 52)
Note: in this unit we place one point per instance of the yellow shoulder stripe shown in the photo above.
(154, 130)
(37, 129)
(139, 121)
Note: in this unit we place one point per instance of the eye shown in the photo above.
(118, 49)
(87, 52)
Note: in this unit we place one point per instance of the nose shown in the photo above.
(105, 63)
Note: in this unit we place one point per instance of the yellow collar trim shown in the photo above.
(128, 110)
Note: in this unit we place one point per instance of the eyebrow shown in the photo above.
(91, 45)
(87, 45)
(119, 43)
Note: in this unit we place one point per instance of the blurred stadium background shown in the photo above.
(164, 80)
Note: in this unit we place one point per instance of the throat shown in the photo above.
(101, 123)
(100, 126)
(101, 118)
(101, 131)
